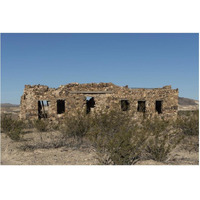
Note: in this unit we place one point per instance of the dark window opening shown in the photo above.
(43, 107)
(60, 106)
(124, 105)
(159, 107)
(90, 103)
(141, 106)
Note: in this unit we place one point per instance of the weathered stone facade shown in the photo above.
(39, 101)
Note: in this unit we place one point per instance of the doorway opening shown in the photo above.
(90, 103)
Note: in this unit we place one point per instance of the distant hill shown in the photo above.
(187, 102)
(8, 105)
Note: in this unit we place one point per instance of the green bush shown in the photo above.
(163, 138)
(12, 128)
(76, 126)
(116, 138)
(41, 125)
(29, 124)
(7, 123)
(112, 133)
(126, 142)
(189, 124)
(124, 148)
(159, 147)
(108, 123)
(119, 140)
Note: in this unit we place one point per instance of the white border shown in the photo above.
(99, 182)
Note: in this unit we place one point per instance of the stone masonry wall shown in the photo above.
(107, 96)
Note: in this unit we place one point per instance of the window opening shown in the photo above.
(159, 107)
(43, 108)
(141, 106)
(60, 106)
(125, 105)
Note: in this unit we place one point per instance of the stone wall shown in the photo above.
(106, 96)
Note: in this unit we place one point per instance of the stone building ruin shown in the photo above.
(39, 101)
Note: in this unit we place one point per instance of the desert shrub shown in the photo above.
(12, 128)
(55, 127)
(89, 125)
(17, 131)
(29, 124)
(184, 113)
(159, 146)
(163, 138)
(124, 148)
(189, 124)
(112, 120)
(41, 125)
(155, 125)
(119, 140)
(6, 123)
(108, 123)
(76, 126)
(110, 132)
(190, 143)
(116, 138)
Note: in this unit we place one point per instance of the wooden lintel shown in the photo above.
(91, 92)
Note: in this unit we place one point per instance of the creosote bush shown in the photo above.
(189, 123)
(115, 135)
(112, 133)
(6, 123)
(12, 128)
(29, 124)
(162, 139)
(118, 138)
(41, 125)
(76, 126)
(124, 148)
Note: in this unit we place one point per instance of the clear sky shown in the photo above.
(137, 60)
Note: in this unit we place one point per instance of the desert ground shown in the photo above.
(35, 148)
(12, 154)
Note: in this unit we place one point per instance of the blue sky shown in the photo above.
(137, 60)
